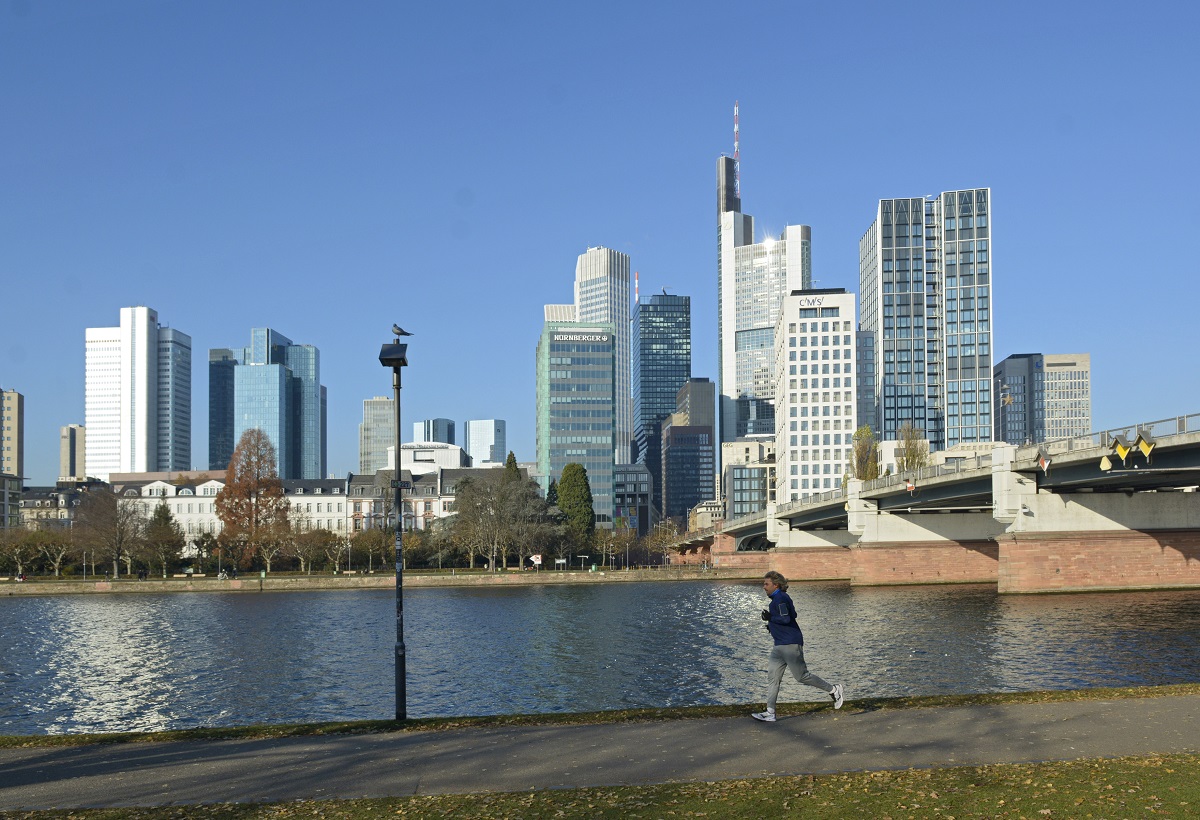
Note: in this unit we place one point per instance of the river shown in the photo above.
(149, 662)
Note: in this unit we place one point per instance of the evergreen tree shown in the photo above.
(575, 501)
(164, 537)
(510, 466)
(552, 494)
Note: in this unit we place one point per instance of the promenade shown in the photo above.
(472, 760)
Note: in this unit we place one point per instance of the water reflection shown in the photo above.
(120, 663)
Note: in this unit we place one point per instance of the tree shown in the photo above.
(510, 466)
(483, 506)
(333, 549)
(164, 537)
(251, 505)
(55, 545)
(575, 501)
(110, 527)
(659, 540)
(306, 546)
(912, 451)
(552, 493)
(17, 547)
(865, 464)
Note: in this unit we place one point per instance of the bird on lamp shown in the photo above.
(399, 331)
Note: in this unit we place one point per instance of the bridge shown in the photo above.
(1116, 509)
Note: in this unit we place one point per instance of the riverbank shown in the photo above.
(962, 759)
(378, 580)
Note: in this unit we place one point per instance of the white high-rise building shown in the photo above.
(602, 296)
(815, 399)
(486, 440)
(137, 396)
(376, 434)
(752, 280)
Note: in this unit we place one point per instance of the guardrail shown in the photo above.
(951, 467)
(1104, 438)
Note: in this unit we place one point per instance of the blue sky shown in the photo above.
(327, 169)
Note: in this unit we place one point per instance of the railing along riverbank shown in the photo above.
(378, 580)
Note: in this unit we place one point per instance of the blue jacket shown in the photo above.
(782, 624)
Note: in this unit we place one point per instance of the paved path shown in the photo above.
(541, 757)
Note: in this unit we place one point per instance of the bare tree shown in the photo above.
(113, 528)
(912, 451)
(17, 547)
(55, 545)
(307, 546)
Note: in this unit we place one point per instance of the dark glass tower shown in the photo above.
(662, 363)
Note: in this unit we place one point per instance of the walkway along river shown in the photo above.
(98, 663)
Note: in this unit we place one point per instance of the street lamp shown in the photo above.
(395, 356)
(582, 558)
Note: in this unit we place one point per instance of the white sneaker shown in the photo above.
(766, 717)
(836, 694)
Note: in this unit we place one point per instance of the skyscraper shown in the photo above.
(71, 464)
(137, 396)
(925, 276)
(12, 433)
(602, 297)
(273, 385)
(576, 407)
(434, 430)
(816, 403)
(1042, 397)
(662, 363)
(688, 458)
(376, 434)
(752, 279)
(486, 440)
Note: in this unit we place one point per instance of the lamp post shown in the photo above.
(395, 356)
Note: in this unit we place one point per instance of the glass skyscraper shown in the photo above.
(273, 385)
(602, 297)
(576, 408)
(752, 279)
(1042, 397)
(925, 276)
(662, 363)
(376, 434)
(486, 440)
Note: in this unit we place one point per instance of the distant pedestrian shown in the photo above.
(788, 651)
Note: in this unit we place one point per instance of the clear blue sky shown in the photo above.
(327, 169)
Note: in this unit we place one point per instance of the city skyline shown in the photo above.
(277, 186)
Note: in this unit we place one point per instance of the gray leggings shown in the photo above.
(789, 656)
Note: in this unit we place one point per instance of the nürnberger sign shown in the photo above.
(579, 337)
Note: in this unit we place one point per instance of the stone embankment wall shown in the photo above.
(280, 583)
(1075, 562)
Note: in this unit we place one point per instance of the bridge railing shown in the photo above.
(951, 467)
(815, 500)
(1104, 438)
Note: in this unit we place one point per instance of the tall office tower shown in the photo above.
(1042, 397)
(752, 279)
(602, 297)
(72, 466)
(376, 434)
(273, 385)
(137, 396)
(662, 362)
(815, 399)
(434, 430)
(926, 298)
(688, 459)
(486, 440)
(12, 433)
(575, 407)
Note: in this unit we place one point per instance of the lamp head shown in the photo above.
(393, 355)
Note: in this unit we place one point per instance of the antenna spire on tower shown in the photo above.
(636, 297)
(737, 159)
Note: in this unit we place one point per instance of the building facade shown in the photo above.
(376, 433)
(576, 407)
(137, 396)
(752, 279)
(486, 441)
(748, 466)
(1042, 397)
(72, 465)
(12, 433)
(602, 297)
(631, 499)
(926, 296)
(273, 385)
(662, 363)
(434, 430)
(815, 400)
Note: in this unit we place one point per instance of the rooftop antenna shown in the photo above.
(737, 155)
(636, 291)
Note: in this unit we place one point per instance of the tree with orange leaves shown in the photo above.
(251, 505)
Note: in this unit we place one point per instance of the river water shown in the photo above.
(146, 662)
